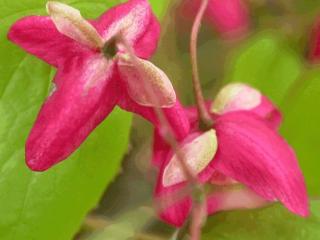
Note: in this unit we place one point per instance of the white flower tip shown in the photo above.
(69, 22)
(147, 84)
(236, 96)
(197, 155)
(58, 7)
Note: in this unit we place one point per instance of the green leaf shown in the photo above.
(160, 7)
(301, 126)
(265, 63)
(274, 222)
(49, 205)
(125, 227)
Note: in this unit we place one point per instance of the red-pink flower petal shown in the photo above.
(171, 193)
(174, 206)
(252, 153)
(85, 94)
(227, 17)
(87, 87)
(269, 112)
(175, 115)
(160, 149)
(234, 198)
(134, 20)
(146, 45)
(39, 36)
(314, 44)
(173, 203)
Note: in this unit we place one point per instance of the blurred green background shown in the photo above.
(53, 205)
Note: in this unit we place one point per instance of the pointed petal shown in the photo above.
(228, 16)
(252, 153)
(239, 96)
(135, 20)
(38, 36)
(198, 153)
(175, 209)
(69, 22)
(146, 84)
(72, 111)
(269, 112)
(173, 203)
(147, 44)
(175, 115)
(171, 191)
(233, 199)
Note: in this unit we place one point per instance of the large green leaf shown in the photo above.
(266, 63)
(274, 222)
(48, 205)
(301, 126)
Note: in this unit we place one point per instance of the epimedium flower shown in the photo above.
(314, 43)
(228, 17)
(100, 64)
(242, 160)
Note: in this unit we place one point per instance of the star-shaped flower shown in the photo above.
(95, 72)
(242, 159)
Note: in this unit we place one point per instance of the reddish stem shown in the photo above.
(204, 116)
(199, 215)
(167, 133)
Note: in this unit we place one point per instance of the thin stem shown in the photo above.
(182, 232)
(204, 116)
(168, 133)
(171, 140)
(199, 214)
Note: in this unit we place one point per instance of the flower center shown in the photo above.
(110, 49)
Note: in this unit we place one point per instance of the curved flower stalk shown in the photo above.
(94, 74)
(228, 17)
(245, 164)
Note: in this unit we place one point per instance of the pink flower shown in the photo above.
(242, 159)
(314, 44)
(95, 72)
(229, 17)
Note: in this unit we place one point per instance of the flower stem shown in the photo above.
(199, 215)
(205, 120)
(197, 218)
(166, 128)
